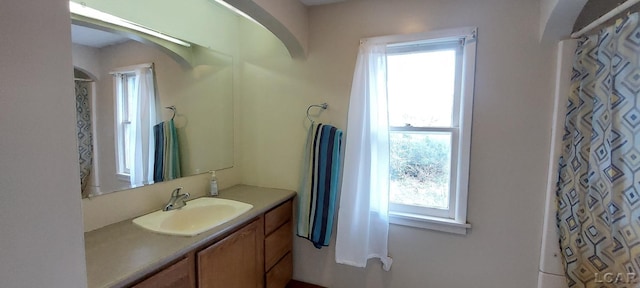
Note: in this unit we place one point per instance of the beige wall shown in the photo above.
(41, 240)
(510, 143)
(99, 211)
(557, 18)
(87, 59)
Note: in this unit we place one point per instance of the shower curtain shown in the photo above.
(598, 192)
(85, 137)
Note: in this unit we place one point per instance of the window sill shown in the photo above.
(426, 222)
(123, 177)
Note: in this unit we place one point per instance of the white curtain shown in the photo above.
(146, 110)
(363, 218)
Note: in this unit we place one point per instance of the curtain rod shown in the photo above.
(131, 68)
(606, 17)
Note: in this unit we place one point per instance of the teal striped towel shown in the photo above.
(319, 184)
(167, 153)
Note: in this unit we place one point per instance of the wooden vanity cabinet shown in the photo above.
(256, 255)
(177, 275)
(278, 243)
(235, 261)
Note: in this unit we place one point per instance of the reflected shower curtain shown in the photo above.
(599, 170)
(85, 136)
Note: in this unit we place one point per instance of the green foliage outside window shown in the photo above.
(419, 172)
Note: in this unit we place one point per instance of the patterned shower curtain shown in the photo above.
(599, 171)
(85, 137)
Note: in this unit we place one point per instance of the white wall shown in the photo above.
(557, 18)
(510, 143)
(41, 243)
(87, 59)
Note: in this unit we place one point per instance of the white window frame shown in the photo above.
(122, 173)
(453, 220)
(121, 96)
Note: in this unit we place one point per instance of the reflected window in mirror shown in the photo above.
(136, 115)
(125, 96)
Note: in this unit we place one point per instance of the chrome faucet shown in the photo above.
(176, 201)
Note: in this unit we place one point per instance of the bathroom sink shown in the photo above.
(198, 216)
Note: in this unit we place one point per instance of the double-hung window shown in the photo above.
(430, 79)
(125, 87)
(136, 109)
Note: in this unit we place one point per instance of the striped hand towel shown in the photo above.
(319, 185)
(167, 153)
(172, 152)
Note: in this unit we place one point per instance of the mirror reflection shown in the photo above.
(148, 112)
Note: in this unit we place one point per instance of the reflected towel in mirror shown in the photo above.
(167, 153)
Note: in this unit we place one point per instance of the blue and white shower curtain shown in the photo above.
(598, 191)
(83, 129)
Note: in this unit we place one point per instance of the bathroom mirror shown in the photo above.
(197, 81)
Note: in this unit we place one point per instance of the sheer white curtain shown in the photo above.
(146, 112)
(363, 220)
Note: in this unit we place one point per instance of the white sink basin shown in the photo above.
(197, 216)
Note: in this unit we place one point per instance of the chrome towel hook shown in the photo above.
(172, 108)
(322, 106)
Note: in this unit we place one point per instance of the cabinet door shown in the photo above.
(178, 275)
(234, 262)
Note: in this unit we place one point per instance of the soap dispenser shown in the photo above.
(214, 184)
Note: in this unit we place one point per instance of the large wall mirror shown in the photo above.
(194, 135)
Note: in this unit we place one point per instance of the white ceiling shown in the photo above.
(94, 38)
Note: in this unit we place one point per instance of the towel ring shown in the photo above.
(322, 106)
(172, 108)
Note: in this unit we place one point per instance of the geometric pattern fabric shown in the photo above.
(598, 189)
(85, 141)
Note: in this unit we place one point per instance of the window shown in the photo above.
(430, 93)
(136, 107)
(125, 87)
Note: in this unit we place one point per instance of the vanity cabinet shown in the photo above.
(256, 255)
(234, 261)
(278, 243)
(177, 275)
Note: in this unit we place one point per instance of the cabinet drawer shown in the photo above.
(277, 245)
(178, 275)
(278, 216)
(281, 274)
